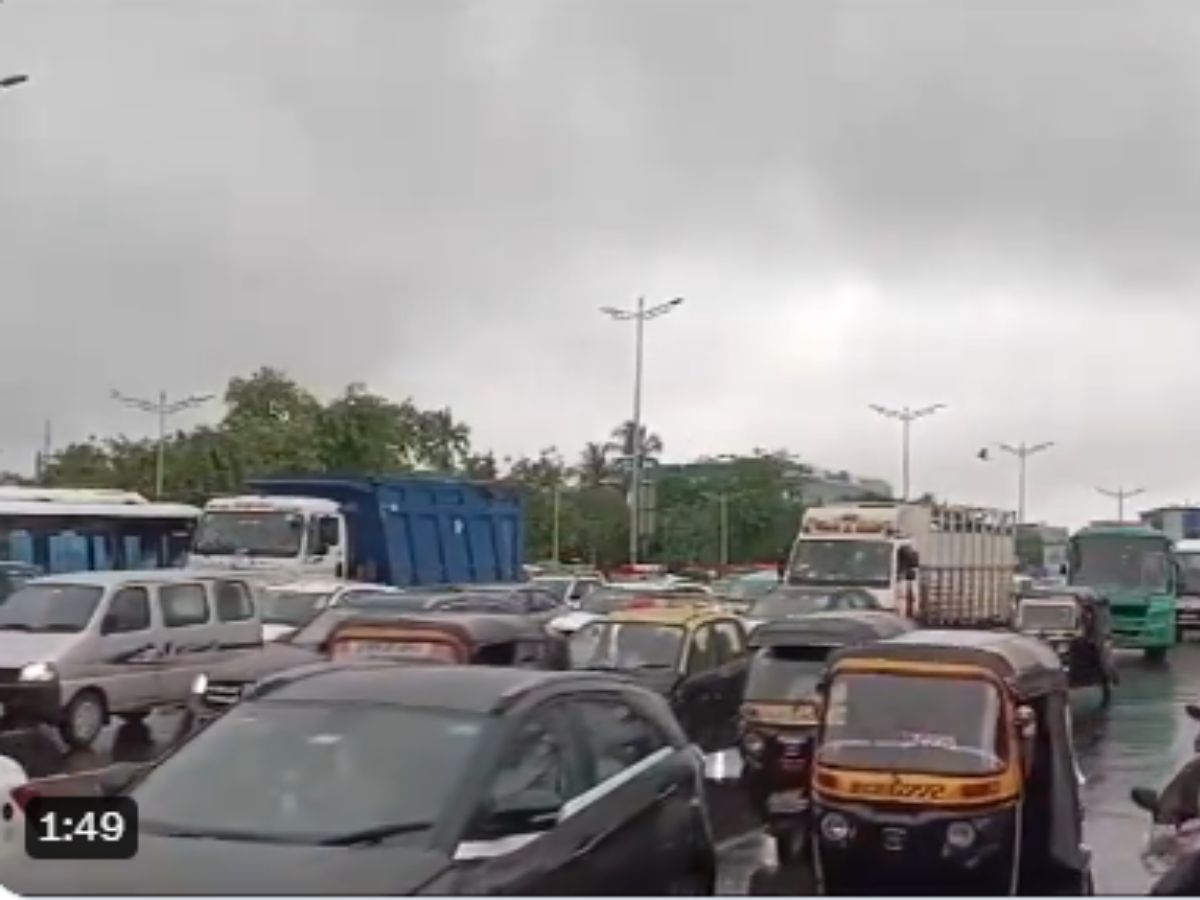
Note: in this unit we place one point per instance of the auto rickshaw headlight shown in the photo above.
(960, 835)
(753, 743)
(835, 828)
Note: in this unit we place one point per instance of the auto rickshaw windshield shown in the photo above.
(1047, 615)
(626, 645)
(785, 673)
(913, 723)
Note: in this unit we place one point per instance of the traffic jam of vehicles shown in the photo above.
(374, 694)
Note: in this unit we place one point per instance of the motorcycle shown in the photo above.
(1172, 849)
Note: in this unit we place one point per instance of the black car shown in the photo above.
(373, 779)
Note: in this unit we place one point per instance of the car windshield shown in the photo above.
(785, 673)
(1190, 562)
(292, 607)
(861, 563)
(626, 645)
(556, 586)
(751, 587)
(311, 773)
(274, 534)
(50, 607)
(1043, 615)
(784, 602)
(384, 600)
(1108, 562)
(606, 600)
(906, 723)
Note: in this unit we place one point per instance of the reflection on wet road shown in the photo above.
(1141, 739)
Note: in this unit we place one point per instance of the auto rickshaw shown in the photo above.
(944, 765)
(1077, 623)
(778, 715)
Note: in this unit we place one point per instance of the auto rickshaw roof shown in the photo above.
(1028, 665)
(830, 629)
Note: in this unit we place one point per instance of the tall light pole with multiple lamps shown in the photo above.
(640, 315)
(906, 417)
(162, 409)
(1022, 452)
(1121, 494)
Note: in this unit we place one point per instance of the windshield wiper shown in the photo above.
(214, 834)
(374, 835)
(15, 626)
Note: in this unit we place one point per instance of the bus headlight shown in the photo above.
(835, 828)
(960, 835)
(200, 684)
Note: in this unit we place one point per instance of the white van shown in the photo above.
(79, 648)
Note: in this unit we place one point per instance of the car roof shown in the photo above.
(323, 585)
(468, 689)
(834, 628)
(478, 627)
(109, 579)
(681, 614)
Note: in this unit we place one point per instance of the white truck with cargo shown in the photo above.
(940, 565)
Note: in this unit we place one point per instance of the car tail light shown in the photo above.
(23, 793)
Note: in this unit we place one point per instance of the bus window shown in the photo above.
(68, 553)
(101, 560)
(20, 546)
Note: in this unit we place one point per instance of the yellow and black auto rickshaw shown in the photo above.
(944, 765)
(778, 716)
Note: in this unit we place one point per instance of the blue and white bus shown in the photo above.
(68, 530)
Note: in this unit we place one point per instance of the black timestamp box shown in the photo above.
(81, 828)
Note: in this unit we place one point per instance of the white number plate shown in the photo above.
(787, 802)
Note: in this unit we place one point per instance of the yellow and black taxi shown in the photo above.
(778, 716)
(944, 765)
(693, 654)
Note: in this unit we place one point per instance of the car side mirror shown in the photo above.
(524, 813)
(1145, 798)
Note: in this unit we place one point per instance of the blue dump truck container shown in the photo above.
(414, 530)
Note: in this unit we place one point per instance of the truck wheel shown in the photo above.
(1156, 655)
(83, 719)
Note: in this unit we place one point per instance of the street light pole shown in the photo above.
(557, 510)
(640, 316)
(1022, 452)
(162, 409)
(906, 416)
(1121, 494)
(724, 500)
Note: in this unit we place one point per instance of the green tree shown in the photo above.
(595, 467)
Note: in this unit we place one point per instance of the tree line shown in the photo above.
(273, 425)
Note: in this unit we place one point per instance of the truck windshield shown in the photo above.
(50, 607)
(292, 607)
(224, 533)
(1191, 572)
(842, 562)
(1128, 563)
(906, 723)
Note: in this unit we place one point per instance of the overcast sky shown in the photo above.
(990, 205)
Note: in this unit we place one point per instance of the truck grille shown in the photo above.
(223, 693)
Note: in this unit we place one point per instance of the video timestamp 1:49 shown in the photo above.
(81, 828)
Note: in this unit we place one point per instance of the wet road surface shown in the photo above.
(1141, 739)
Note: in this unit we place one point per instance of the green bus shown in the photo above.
(1134, 566)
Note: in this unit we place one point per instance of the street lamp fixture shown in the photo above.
(10, 81)
(162, 409)
(640, 315)
(906, 416)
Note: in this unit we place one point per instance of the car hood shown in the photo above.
(273, 631)
(190, 866)
(271, 658)
(19, 648)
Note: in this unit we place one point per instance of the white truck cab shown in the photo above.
(1187, 608)
(289, 537)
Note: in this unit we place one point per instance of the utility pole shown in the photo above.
(640, 315)
(557, 510)
(1121, 494)
(724, 501)
(906, 416)
(43, 457)
(1022, 452)
(162, 409)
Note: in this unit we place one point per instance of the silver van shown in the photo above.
(79, 648)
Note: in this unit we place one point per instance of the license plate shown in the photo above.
(395, 650)
(787, 802)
